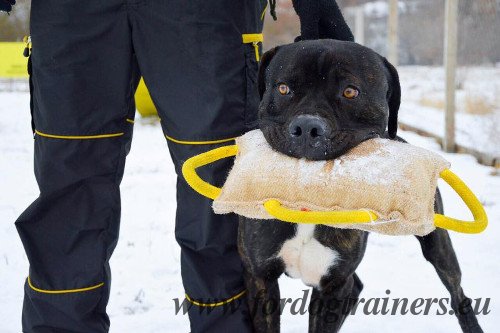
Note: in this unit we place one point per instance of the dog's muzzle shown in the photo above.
(309, 135)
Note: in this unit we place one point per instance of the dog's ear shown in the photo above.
(264, 62)
(393, 98)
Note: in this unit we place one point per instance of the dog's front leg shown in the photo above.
(264, 303)
(331, 305)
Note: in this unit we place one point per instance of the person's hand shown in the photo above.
(6, 5)
(321, 19)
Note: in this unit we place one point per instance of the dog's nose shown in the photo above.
(309, 128)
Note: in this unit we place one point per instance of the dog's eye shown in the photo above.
(283, 89)
(351, 92)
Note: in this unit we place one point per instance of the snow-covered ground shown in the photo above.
(146, 274)
(477, 104)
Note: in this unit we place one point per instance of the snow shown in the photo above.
(146, 272)
(478, 104)
(376, 9)
(380, 9)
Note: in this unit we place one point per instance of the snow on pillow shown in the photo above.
(395, 180)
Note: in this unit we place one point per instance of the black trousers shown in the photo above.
(199, 59)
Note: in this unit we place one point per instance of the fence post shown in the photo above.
(392, 34)
(359, 24)
(450, 63)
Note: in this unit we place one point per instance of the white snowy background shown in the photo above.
(145, 265)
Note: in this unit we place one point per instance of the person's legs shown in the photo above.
(202, 78)
(84, 75)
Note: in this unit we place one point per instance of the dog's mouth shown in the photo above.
(312, 144)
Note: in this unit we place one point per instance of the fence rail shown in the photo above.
(11, 85)
(482, 158)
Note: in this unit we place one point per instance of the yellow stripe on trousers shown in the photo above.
(64, 291)
(218, 303)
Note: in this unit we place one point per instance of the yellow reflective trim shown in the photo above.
(263, 12)
(255, 39)
(130, 121)
(79, 137)
(257, 55)
(66, 291)
(198, 142)
(218, 303)
(251, 38)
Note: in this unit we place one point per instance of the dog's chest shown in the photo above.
(305, 258)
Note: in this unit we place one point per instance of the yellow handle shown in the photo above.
(468, 227)
(189, 169)
(275, 209)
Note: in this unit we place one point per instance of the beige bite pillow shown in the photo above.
(380, 185)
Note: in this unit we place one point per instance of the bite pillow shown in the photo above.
(381, 185)
(395, 180)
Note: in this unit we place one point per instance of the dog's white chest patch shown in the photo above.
(305, 258)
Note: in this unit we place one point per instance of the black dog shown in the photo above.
(318, 100)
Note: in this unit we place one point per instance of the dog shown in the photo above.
(318, 100)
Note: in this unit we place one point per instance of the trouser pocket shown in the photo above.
(253, 50)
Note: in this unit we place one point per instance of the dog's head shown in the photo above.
(321, 98)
